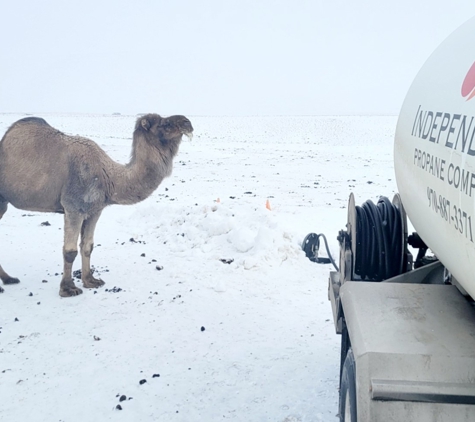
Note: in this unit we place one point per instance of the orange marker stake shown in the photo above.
(268, 205)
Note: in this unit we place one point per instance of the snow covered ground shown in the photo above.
(247, 339)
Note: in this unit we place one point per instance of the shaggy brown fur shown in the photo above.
(42, 169)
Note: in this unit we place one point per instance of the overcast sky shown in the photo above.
(218, 57)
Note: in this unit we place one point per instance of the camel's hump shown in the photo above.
(37, 120)
(27, 120)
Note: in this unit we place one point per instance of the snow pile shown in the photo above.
(249, 237)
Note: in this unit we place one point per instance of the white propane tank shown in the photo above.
(434, 154)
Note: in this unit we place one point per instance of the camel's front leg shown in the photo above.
(3, 275)
(72, 226)
(87, 245)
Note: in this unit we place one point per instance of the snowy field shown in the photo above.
(208, 295)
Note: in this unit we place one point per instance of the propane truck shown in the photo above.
(407, 323)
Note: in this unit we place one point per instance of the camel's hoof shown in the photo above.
(92, 283)
(70, 291)
(11, 280)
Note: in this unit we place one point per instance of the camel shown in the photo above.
(43, 169)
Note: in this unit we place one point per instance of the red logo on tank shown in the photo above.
(468, 86)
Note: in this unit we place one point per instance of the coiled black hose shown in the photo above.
(379, 246)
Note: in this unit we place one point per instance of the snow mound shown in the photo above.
(247, 236)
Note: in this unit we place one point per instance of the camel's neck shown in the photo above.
(138, 179)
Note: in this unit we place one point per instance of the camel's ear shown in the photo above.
(145, 124)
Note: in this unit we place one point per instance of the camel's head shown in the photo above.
(162, 131)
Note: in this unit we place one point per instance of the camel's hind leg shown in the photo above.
(72, 226)
(87, 245)
(3, 275)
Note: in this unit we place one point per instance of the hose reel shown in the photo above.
(374, 246)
